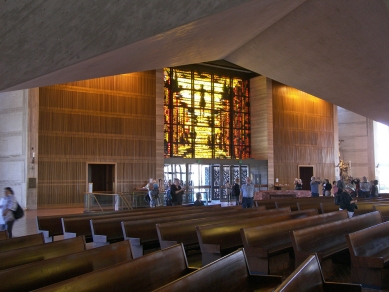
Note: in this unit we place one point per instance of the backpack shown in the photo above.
(18, 213)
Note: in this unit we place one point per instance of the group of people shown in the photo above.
(361, 189)
(8, 205)
(243, 195)
(346, 191)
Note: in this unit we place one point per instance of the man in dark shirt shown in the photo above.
(176, 192)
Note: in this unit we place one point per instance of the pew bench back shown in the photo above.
(43, 273)
(41, 252)
(20, 242)
(146, 273)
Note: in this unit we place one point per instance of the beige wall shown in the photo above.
(303, 131)
(13, 143)
(261, 112)
(105, 120)
(357, 143)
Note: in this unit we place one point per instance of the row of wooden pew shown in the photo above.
(215, 238)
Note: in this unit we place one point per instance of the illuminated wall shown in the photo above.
(206, 115)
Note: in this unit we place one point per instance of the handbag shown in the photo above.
(18, 213)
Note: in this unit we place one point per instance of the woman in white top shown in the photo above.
(9, 205)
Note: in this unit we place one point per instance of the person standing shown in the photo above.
(247, 193)
(298, 184)
(334, 188)
(9, 206)
(235, 191)
(327, 188)
(150, 190)
(314, 186)
(365, 188)
(347, 202)
(176, 192)
(374, 189)
(341, 186)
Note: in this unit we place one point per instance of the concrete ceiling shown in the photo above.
(336, 50)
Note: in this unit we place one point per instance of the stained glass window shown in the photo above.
(206, 114)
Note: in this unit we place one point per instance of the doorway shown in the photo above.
(305, 174)
(103, 177)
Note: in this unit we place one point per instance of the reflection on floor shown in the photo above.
(279, 265)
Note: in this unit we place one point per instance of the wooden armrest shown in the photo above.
(341, 287)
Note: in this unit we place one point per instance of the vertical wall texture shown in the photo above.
(107, 120)
(32, 148)
(160, 119)
(261, 112)
(13, 136)
(303, 134)
(357, 143)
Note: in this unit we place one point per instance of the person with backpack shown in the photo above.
(235, 191)
(9, 207)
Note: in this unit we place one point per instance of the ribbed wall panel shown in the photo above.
(107, 120)
(303, 134)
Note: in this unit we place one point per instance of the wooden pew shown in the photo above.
(262, 242)
(143, 233)
(3, 234)
(110, 230)
(20, 242)
(185, 231)
(287, 203)
(369, 252)
(329, 239)
(78, 226)
(229, 273)
(309, 277)
(220, 239)
(304, 203)
(43, 273)
(269, 204)
(384, 209)
(327, 207)
(364, 206)
(146, 273)
(315, 203)
(22, 256)
(51, 226)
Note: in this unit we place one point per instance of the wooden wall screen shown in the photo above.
(108, 119)
(303, 134)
